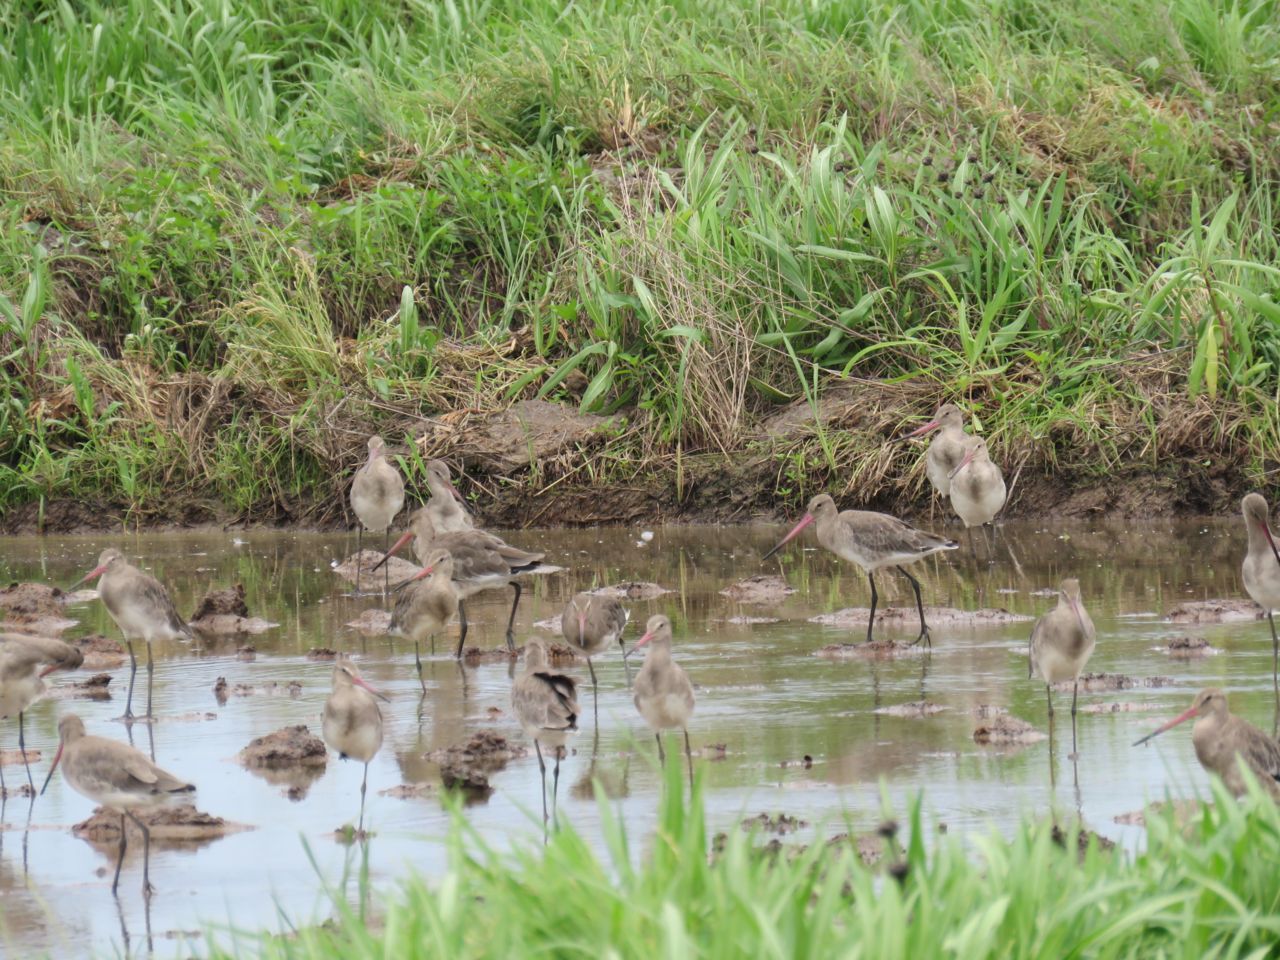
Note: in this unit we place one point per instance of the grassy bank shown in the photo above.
(237, 238)
(1204, 890)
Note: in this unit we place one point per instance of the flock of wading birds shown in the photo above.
(458, 560)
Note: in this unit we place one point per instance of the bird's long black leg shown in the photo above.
(871, 617)
(662, 754)
(359, 556)
(511, 620)
(1048, 695)
(363, 784)
(555, 790)
(595, 701)
(133, 675)
(625, 666)
(688, 755)
(1075, 692)
(924, 627)
(151, 672)
(462, 629)
(542, 768)
(147, 889)
(124, 843)
(417, 659)
(22, 748)
(386, 567)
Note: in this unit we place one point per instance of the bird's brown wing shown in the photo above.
(1262, 754)
(882, 533)
(152, 593)
(562, 706)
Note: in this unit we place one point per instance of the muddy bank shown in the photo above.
(180, 823)
(524, 462)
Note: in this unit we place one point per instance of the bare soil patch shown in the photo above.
(762, 588)
(294, 746)
(1229, 610)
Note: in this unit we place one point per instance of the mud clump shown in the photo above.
(909, 616)
(1093, 682)
(1215, 611)
(474, 655)
(467, 766)
(179, 823)
(712, 752)
(223, 613)
(1084, 839)
(371, 623)
(749, 621)
(288, 747)
(93, 688)
(222, 690)
(407, 791)
(916, 708)
(782, 824)
(1119, 707)
(1006, 730)
(34, 608)
(321, 654)
(222, 603)
(372, 580)
(875, 650)
(1188, 648)
(762, 588)
(1183, 812)
(100, 652)
(9, 758)
(632, 590)
(247, 654)
(9, 793)
(989, 711)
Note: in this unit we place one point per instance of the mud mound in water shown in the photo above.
(475, 655)
(101, 652)
(781, 824)
(1183, 812)
(222, 603)
(917, 708)
(321, 654)
(93, 688)
(33, 608)
(1215, 611)
(748, 621)
(11, 793)
(1119, 707)
(762, 588)
(632, 590)
(910, 617)
(1093, 682)
(1187, 648)
(989, 711)
(246, 654)
(288, 747)
(397, 570)
(407, 791)
(223, 690)
(1083, 839)
(371, 623)
(1006, 730)
(875, 650)
(486, 750)
(9, 758)
(180, 823)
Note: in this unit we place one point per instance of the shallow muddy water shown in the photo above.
(761, 693)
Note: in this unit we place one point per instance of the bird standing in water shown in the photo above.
(546, 705)
(24, 663)
(663, 693)
(377, 494)
(1261, 572)
(1062, 642)
(141, 607)
(591, 624)
(423, 608)
(352, 721)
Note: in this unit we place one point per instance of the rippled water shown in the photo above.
(761, 693)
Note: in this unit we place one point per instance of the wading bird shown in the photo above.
(1061, 643)
(1222, 741)
(663, 693)
(481, 561)
(1261, 569)
(872, 541)
(592, 624)
(977, 486)
(24, 663)
(352, 722)
(447, 509)
(427, 601)
(141, 607)
(377, 494)
(546, 705)
(947, 449)
(117, 777)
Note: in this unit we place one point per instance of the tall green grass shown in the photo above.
(1204, 889)
(250, 223)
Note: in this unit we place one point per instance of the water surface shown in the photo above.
(761, 693)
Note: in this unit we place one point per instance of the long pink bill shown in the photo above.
(795, 532)
(1266, 530)
(424, 572)
(918, 431)
(637, 645)
(362, 682)
(56, 757)
(404, 538)
(968, 459)
(95, 572)
(1186, 715)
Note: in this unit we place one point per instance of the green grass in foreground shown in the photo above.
(237, 237)
(1209, 888)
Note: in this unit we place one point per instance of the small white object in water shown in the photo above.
(333, 564)
(647, 536)
(237, 542)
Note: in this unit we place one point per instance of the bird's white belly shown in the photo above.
(1054, 666)
(667, 712)
(17, 695)
(1262, 581)
(375, 514)
(361, 744)
(979, 509)
(136, 624)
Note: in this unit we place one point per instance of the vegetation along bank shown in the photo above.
(706, 256)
